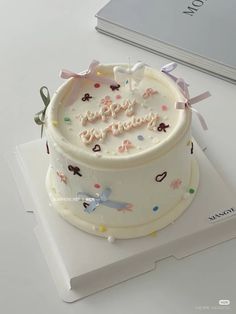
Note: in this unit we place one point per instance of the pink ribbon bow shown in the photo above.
(90, 74)
(190, 101)
(126, 144)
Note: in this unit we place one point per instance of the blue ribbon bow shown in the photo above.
(102, 199)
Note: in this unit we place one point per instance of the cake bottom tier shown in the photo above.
(63, 208)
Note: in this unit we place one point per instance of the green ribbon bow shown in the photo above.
(39, 117)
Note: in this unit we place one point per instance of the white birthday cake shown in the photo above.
(121, 155)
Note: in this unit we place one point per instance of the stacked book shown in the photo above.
(199, 33)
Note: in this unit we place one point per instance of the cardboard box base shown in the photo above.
(82, 264)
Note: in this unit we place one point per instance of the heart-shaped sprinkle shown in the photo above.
(140, 137)
(161, 177)
(97, 148)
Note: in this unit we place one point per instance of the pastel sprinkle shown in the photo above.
(54, 122)
(164, 107)
(118, 96)
(102, 228)
(140, 137)
(191, 191)
(155, 208)
(111, 239)
(67, 119)
(153, 234)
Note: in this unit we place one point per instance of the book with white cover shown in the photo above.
(200, 33)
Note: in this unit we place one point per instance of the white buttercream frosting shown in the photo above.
(121, 157)
(145, 116)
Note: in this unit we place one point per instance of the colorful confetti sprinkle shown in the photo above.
(67, 119)
(97, 85)
(97, 186)
(191, 191)
(164, 107)
(102, 228)
(140, 137)
(155, 208)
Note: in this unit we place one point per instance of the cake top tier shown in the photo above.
(131, 116)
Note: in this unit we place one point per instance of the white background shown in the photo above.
(37, 39)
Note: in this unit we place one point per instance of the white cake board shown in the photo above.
(82, 264)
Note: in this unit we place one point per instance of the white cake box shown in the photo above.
(82, 264)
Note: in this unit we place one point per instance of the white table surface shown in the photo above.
(37, 39)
